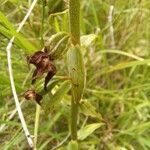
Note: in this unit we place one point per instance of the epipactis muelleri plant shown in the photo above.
(43, 60)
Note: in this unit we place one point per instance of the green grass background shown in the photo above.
(118, 80)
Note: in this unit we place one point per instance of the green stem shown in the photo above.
(73, 119)
(74, 22)
(37, 116)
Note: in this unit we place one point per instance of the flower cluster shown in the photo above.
(44, 64)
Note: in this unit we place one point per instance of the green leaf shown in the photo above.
(8, 35)
(61, 48)
(51, 43)
(73, 145)
(144, 141)
(5, 22)
(50, 86)
(10, 123)
(76, 71)
(87, 40)
(9, 31)
(88, 130)
(57, 97)
(124, 65)
(63, 89)
(89, 110)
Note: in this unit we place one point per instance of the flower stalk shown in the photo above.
(75, 65)
(74, 21)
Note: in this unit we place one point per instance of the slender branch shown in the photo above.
(8, 50)
(29, 139)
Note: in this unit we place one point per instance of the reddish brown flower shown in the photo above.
(32, 95)
(43, 64)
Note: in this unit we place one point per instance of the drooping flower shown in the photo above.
(43, 64)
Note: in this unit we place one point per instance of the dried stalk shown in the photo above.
(8, 50)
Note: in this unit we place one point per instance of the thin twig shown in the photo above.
(8, 50)
(111, 29)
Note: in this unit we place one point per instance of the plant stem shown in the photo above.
(73, 119)
(74, 22)
(37, 116)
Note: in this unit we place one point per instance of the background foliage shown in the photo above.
(118, 83)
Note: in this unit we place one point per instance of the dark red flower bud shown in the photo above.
(32, 95)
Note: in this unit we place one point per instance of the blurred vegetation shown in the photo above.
(118, 83)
